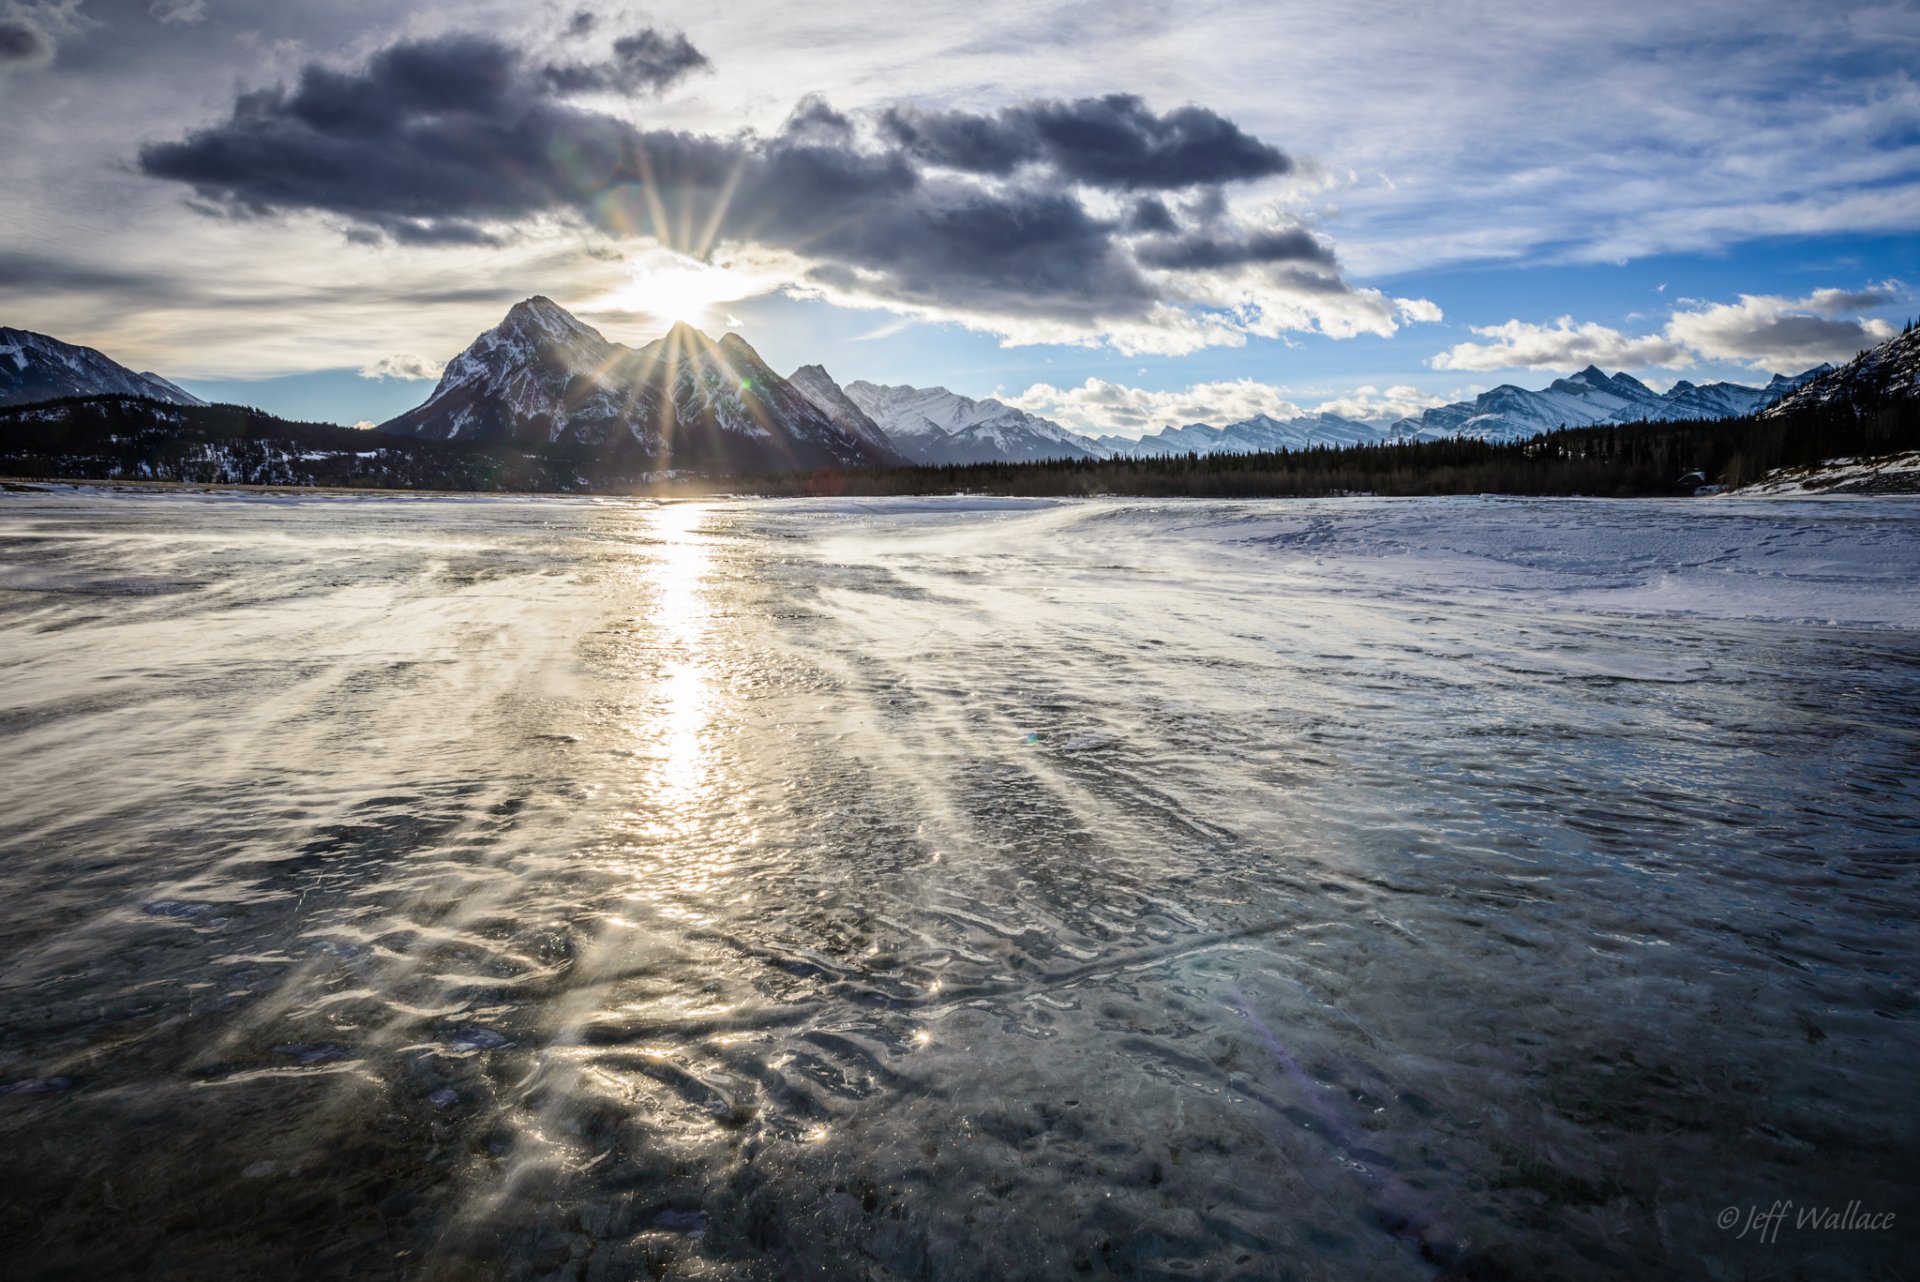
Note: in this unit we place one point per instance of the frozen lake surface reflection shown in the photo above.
(472, 888)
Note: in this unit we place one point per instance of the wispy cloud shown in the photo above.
(887, 330)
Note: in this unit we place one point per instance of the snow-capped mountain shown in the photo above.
(814, 383)
(1510, 413)
(933, 425)
(543, 377)
(1255, 435)
(1889, 372)
(34, 367)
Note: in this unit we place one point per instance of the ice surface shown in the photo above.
(957, 889)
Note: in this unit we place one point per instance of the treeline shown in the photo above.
(134, 438)
(1630, 460)
(122, 438)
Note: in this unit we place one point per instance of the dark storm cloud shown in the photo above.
(45, 274)
(1150, 213)
(21, 44)
(1203, 251)
(1115, 142)
(455, 140)
(815, 120)
(644, 62)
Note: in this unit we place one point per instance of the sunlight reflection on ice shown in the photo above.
(672, 738)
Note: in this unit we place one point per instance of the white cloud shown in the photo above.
(1521, 345)
(1767, 332)
(1099, 407)
(1370, 404)
(403, 368)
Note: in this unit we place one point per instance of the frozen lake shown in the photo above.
(1323, 890)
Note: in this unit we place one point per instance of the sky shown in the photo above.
(1118, 215)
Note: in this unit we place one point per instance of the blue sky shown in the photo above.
(1365, 207)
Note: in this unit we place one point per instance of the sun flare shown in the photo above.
(672, 288)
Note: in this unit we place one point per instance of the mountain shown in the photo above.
(542, 377)
(814, 383)
(933, 425)
(34, 367)
(1887, 374)
(1254, 435)
(1589, 398)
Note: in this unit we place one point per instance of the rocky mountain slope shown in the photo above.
(934, 425)
(542, 377)
(814, 383)
(34, 367)
(1887, 374)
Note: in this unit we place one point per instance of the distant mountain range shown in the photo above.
(543, 380)
(1253, 435)
(1589, 398)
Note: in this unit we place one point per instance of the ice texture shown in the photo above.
(954, 889)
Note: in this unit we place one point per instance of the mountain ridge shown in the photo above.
(931, 425)
(1886, 373)
(544, 377)
(38, 367)
(1588, 398)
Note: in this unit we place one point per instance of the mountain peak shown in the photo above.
(685, 332)
(541, 315)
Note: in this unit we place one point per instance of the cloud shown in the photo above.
(1010, 224)
(645, 62)
(46, 273)
(1371, 405)
(23, 45)
(1102, 408)
(1764, 331)
(1772, 333)
(31, 30)
(184, 12)
(403, 368)
(1116, 141)
(1200, 250)
(1562, 345)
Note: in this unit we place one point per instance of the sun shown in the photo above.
(672, 288)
